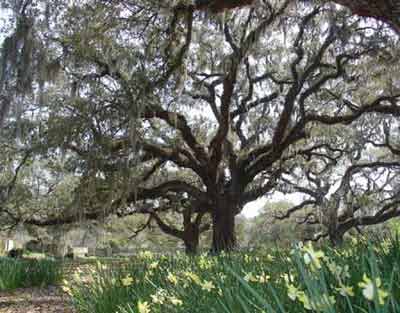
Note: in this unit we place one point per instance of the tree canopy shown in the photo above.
(158, 107)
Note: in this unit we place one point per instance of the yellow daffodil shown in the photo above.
(294, 292)
(193, 277)
(143, 307)
(321, 304)
(303, 298)
(312, 257)
(372, 289)
(67, 290)
(345, 291)
(175, 301)
(287, 278)
(249, 277)
(207, 285)
(153, 265)
(263, 278)
(146, 255)
(127, 281)
(172, 278)
(160, 296)
(205, 263)
(338, 271)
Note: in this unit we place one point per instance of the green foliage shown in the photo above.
(299, 280)
(15, 273)
(394, 226)
(265, 230)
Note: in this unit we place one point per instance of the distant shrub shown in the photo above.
(16, 253)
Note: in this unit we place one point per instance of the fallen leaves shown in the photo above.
(35, 300)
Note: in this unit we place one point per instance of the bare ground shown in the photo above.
(35, 300)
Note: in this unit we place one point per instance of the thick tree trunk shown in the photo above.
(191, 238)
(223, 218)
(336, 238)
(191, 247)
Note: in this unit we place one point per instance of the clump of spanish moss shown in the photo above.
(23, 61)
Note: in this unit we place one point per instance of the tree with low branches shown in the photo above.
(353, 186)
(157, 105)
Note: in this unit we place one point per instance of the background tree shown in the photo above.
(356, 186)
(267, 230)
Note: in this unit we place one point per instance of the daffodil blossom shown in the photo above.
(175, 301)
(127, 281)
(312, 257)
(345, 291)
(294, 292)
(371, 289)
(207, 285)
(143, 307)
(172, 278)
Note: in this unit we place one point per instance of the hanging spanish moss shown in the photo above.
(23, 62)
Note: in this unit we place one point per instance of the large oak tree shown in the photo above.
(222, 111)
(159, 105)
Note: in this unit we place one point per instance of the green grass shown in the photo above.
(284, 281)
(15, 273)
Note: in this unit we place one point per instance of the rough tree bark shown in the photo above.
(191, 238)
(223, 218)
(219, 6)
(336, 237)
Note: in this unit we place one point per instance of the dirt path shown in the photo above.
(35, 300)
(43, 300)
